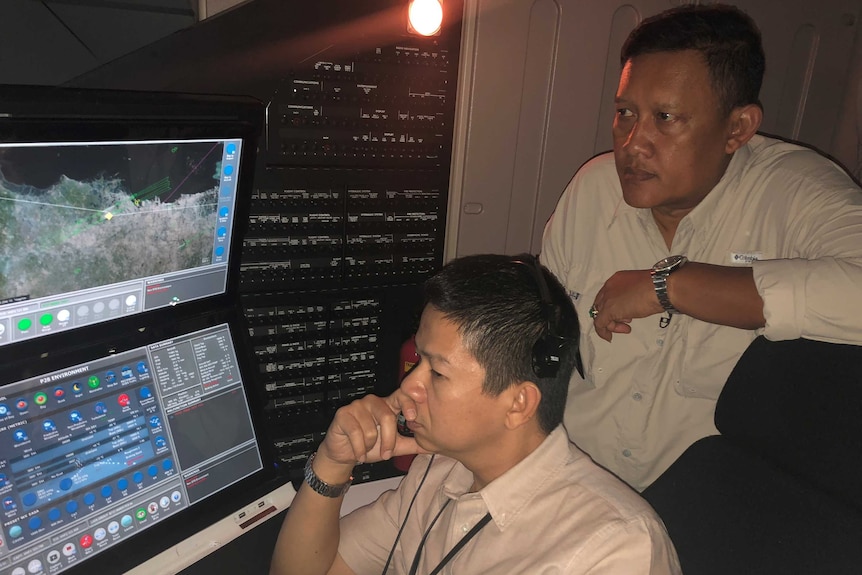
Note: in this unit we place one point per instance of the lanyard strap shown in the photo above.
(464, 540)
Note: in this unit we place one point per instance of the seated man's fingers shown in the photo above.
(387, 428)
(399, 401)
(345, 439)
(367, 430)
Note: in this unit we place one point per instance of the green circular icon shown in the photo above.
(46, 319)
(93, 382)
(141, 514)
(40, 398)
(25, 324)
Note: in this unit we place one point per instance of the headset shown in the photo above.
(548, 349)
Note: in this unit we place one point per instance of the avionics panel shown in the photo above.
(95, 454)
(117, 204)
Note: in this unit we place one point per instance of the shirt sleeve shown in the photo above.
(637, 546)
(589, 198)
(814, 288)
(554, 239)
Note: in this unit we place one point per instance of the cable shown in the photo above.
(403, 523)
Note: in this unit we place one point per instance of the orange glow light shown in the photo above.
(425, 16)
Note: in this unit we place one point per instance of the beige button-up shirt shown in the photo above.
(555, 512)
(790, 214)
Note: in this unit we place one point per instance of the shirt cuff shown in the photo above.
(781, 285)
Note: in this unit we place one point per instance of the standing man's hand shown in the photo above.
(626, 295)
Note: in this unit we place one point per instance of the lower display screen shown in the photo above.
(94, 454)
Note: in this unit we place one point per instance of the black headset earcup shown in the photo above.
(547, 352)
(548, 348)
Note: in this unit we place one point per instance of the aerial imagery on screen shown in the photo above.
(79, 216)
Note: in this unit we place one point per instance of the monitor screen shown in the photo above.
(96, 454)
(119, 205)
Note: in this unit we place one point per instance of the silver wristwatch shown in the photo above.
(659, 273)
(319, 485)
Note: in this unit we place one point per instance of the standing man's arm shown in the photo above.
(716, 294)
(814, 298)
(362, 432)
(808, 290)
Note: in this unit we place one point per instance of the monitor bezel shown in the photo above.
(82, 115)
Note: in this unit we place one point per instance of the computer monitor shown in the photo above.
(107, 461)
(115, 204)
(128, 421)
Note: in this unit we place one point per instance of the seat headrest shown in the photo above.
(798, 404)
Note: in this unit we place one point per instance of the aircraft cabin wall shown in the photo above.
(537, 85)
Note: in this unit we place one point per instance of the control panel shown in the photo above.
(347, 220)
(95, 453)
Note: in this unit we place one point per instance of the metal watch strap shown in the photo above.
(660, 272)
(659, 282)
(319, 485)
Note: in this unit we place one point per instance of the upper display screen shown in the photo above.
(93, 231)
(114, 204)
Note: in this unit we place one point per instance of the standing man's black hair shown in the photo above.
(727, 37)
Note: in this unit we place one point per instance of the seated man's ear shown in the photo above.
(743, 123)
(525, 397)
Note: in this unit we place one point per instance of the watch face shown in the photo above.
(669, 263)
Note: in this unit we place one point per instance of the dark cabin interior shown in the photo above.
(352, 197)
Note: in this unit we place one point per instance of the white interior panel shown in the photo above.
(533, 117)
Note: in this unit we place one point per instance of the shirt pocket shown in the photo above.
(710, 354)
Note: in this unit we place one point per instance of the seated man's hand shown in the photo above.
(366, 431)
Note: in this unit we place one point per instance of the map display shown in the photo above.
(76, 216)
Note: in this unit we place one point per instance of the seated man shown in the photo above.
(498, 488)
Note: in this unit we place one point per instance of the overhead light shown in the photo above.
(425, 17)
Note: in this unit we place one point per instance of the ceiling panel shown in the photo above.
(51, 41)
(111, 32)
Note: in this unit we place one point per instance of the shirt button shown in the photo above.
(600, 370)
(627, 453)
(659, 342)
(465, 528)
(637, 396)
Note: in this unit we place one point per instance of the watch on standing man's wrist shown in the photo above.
(660, 272)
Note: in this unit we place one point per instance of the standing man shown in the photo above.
(696, 235)
(504, 492)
